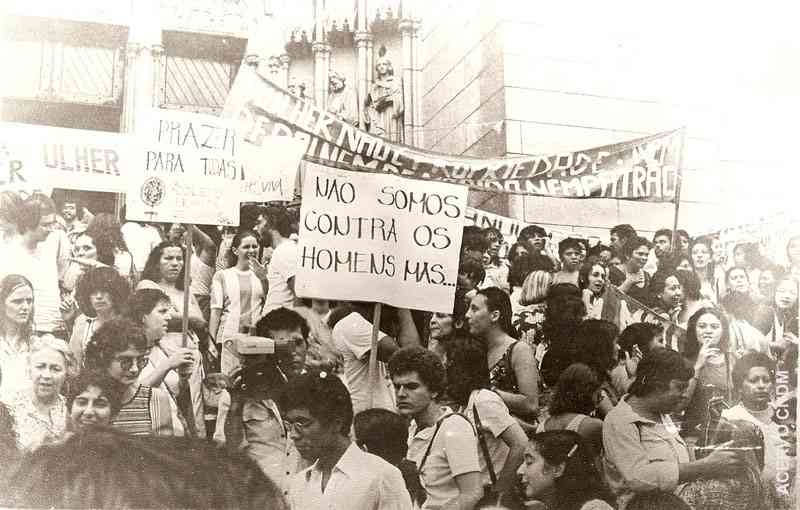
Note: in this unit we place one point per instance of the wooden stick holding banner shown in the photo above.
(184, 397)
(678, 184)
(373, 353)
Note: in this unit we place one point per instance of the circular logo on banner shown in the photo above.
(153, 190)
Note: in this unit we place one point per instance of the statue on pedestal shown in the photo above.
(298, 89)
(342, 99)
(383, 106)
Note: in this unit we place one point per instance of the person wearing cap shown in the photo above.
(642, 448)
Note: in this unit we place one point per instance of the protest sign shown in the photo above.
(381, 238)
(185, 170)
(641, 169)
(53, 157)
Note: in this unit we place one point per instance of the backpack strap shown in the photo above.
(483, 445)
(433, 438)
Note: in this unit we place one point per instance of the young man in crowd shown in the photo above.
(40, 252)
(254, 422)
(620, 235)
(473, 244)
(442, 444)
(282, 266)
(662, 251)
(318, 415)
(74, 218)
(352, 337)
(570, 251)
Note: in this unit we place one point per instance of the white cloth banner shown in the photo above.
(382, 238)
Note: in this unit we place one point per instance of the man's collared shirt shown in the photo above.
(640, 454)
(359, 480)
(266, 442)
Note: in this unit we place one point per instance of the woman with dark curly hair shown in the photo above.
(93, 400)
(102, 294)
(120, 349)
(573, 402)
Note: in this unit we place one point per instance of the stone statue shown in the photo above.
(298, 89)
(342, 99)
(383, 106)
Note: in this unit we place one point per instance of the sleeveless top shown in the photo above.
(136, 416)
(501, 375)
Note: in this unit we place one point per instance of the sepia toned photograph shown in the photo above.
(399, 255)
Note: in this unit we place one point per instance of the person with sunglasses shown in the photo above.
(120, 348)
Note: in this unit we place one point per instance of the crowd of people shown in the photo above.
(643, 373)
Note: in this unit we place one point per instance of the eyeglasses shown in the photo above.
(299, 426)
(126, 362)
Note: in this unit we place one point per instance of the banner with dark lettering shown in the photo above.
(640, 169)
(45, 157)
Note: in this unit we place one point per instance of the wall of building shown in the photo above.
(578, 75)
(463, 99)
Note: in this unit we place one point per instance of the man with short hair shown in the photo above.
(662, 251)
(40, 251)
(282, 266)
(254, 422)
(74, 218)
(441, 443)
(352, 337)
(318, 415)
(620, 235)
(570, 252)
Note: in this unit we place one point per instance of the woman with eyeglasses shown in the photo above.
(120, 348)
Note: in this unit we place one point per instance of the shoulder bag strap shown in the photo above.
(484, 446)
(430, 445)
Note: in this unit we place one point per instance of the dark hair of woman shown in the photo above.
(99, 379)
(585, 271)
(692, 347)
(498, 300)
(467, 367)
(230, 257)
(691, 285)
(594, 345)
(574, 392)
(105, 468)
(142, 302)
(105, 279)
(580, 482)
(106, 227)
(112, 338)
(103, 247)
(152, 268)
(9, 284)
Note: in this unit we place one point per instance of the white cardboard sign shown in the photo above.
(382, 238)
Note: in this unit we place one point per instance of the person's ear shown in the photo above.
(495, 315)
(458, 324)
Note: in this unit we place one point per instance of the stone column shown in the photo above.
(322, 67)
(363, 66)
(407, 63)
(143, 55)
(285, 59)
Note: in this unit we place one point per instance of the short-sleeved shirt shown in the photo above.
(358, 480)
(352, 337)
(640, 454)
(267, 443)
(454, 452)
(282, 267)
(495, 419)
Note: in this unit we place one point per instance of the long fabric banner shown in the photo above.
(641, 169)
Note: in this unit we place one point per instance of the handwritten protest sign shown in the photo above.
(382, 238)
(640, 169)
(52, 157)
(185, 171)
